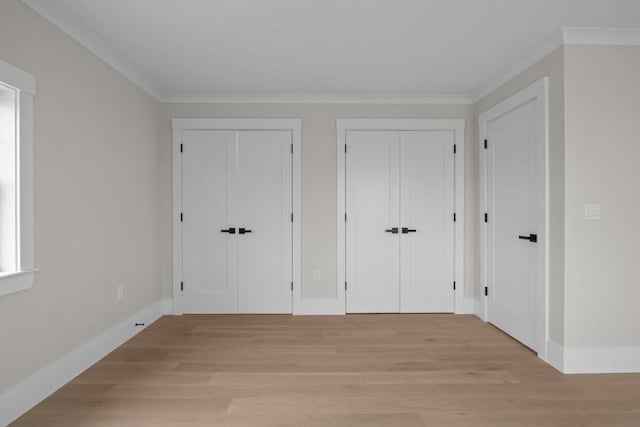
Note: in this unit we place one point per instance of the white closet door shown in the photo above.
(264, 208)
(208, 164)
(426, 194)
(372, 205)
(511, 200)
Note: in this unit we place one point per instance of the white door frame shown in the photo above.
(457, 126)
(537, 92)
(181, 125)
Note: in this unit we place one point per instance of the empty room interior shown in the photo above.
(319, 213)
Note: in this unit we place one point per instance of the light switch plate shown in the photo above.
(592, 211)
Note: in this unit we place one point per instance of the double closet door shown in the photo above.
(237, 229)
(400, 224)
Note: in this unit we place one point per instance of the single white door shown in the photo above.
(426, 220)
(264, 224)
(373, 221)
(209, 264)
(513, 148)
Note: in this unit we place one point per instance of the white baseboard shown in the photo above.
(600, 360)
(23, 396)
(319, 306)
(555, 355)
(467, 306)
(478, 309)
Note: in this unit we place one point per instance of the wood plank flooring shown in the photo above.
(356, 370)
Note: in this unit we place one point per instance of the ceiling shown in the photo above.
(198, 49)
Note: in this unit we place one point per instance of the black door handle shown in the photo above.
(393, 230)
(531, 237)
(406, 230)
(230, 230)
(243, 230)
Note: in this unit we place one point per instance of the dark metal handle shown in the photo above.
(230, 230)
(243, 230)
(393, 230)
(406, 230)
(531, 237)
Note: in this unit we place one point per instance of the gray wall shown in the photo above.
(318, 176)
(551, 66)
(97, 198)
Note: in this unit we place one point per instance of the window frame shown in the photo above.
(24, 275)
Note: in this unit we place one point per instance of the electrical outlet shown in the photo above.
(316, 275)
(120, 293)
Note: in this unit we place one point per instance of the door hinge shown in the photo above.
(181, 217)
(485, 144)
(181, 148)
(291, 286)
(454, 285)
(345, 285)
(345, 148)
(182, 286)
(486, 291)
(486, 217)
(454, 217)
(291, 216)
(454, 148)
(291, 148)
(345, 217)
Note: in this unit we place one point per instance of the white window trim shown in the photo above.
(24, 277)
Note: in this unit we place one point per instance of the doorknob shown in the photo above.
(230, 230)
(406, 230)
(243, 230)
(531, 237)
(393, 230)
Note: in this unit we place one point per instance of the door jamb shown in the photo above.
(457, 126)
(178, 127)
(538, 91)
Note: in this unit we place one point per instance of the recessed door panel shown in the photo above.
(208, 254)
(264, 212)
(372, 204)
(426, 244)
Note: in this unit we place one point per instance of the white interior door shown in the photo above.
(209, 264)
(512, 194)
(264, 222)
(426, 218)
(372, 207)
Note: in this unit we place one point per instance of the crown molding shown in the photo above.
(53, 12)
(561, 37)
(313, 98)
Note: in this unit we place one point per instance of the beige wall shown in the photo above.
(551, 66)
(602, 142)
(318, 176)
(97, 198)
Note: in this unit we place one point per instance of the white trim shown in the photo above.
(315, 98)
(538, 91)
(601, 360)
(16, 281)
(17, 78)
(468, 306)
(294, 125)
(561, 37)
(478, 309)
(55, 13)
(23, 396)
(318, 306)
(455, 125)
(555, 355)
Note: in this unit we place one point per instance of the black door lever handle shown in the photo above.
(230, 230)
(243, 230)
(393, 230)
(531, 237)
(406, 230)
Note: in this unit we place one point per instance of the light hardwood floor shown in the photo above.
(356, 370)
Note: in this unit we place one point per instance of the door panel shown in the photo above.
(426, 194)
(208, 255)
(372, 205)
(264, 207)
(511, 200)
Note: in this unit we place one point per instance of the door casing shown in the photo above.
(457, 126)
(181, 125)
(538, 93)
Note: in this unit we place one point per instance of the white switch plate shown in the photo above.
(316, 275)
(592, 211)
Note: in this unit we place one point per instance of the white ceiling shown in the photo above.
(196, 48)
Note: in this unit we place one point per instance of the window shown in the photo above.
(17, 90)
